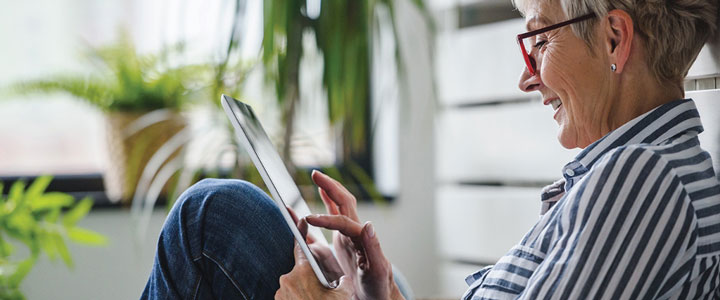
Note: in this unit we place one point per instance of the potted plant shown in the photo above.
(42, 222)
(343, 34)
(126, 86)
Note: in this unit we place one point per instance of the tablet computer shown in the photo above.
(276, 176)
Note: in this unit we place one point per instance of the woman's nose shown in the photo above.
(529, 82)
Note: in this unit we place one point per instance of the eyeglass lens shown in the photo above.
(528, 44)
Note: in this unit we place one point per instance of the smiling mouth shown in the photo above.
(556, 104)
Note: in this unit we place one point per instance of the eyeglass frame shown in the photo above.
(522, 36)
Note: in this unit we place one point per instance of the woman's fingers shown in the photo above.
(372, 259)
(343, 224)
(301, 284)
(324, 255)
(330, 206)
(292, 214)
(375, 261)
(338, 194)
(302, 226)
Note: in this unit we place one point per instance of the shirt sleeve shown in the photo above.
(626, 231)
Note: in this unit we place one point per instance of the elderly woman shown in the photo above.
(636, 214)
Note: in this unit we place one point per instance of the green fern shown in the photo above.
(36, 219)
(125, 80)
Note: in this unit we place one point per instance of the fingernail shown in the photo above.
(312, 217)
(314, 171)
(370, 230)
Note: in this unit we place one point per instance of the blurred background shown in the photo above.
(411, 103)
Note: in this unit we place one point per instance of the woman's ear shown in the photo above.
(618, 38)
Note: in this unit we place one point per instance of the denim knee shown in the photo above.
(233, 191)
(229, 232)
(213, 203)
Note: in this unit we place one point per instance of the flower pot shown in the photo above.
(129, 150)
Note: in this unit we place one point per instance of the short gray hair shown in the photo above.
(674, 30)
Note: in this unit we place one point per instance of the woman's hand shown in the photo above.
(301, 283)
(322, 253)
(356, 245)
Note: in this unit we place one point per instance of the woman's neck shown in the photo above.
(640, 94)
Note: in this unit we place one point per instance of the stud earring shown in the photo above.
(613, 67)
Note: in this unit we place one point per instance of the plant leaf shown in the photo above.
(16, 191)
(6, 249)
(77, 212)
(47, 244)
(38, 186)
(23, 222)
(50, 201)
(11, 294)
(92, 90)
(52, 216)
(62, 250)
(23, 268)
(367, 183)
(85, 236)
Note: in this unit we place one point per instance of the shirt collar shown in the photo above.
(654, 128)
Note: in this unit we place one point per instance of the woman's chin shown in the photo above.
(567, 140)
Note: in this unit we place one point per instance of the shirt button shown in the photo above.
(570, 172)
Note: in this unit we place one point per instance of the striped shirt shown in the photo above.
(636, 216)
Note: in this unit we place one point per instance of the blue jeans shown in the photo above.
(223, 239)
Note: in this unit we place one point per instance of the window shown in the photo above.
(57, 134)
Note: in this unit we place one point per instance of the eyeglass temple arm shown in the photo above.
(558, 25)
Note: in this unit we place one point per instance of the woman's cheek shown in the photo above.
(550, 71)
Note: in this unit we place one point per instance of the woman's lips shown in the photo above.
(555, 103)
(557, 112)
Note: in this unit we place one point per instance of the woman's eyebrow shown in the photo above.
(537, 22)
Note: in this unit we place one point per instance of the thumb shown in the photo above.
(302, 226)
(299, 255)
(375, 259)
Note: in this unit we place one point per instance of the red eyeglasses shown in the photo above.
(523, 39)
